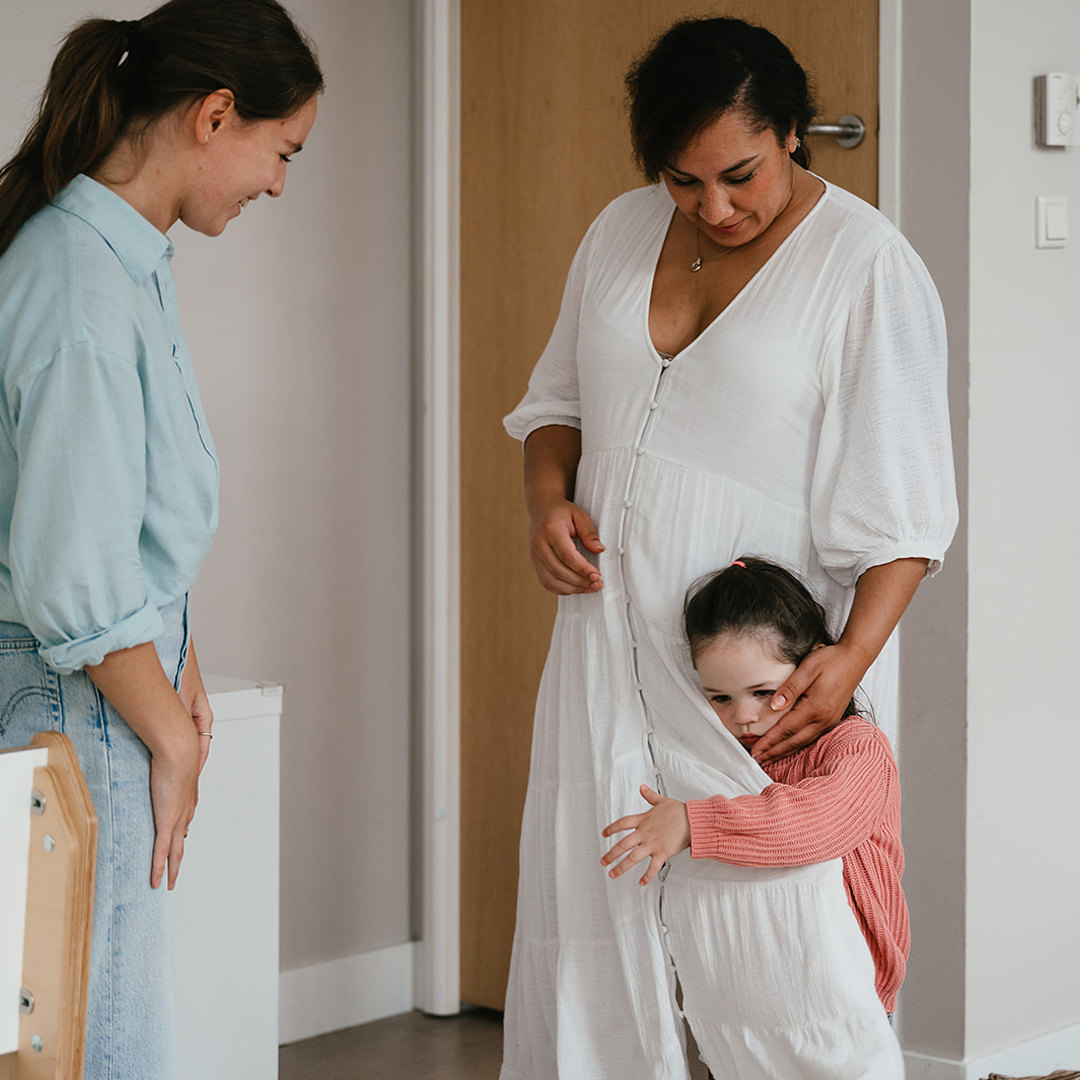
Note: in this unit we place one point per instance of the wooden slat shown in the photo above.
(59, 912)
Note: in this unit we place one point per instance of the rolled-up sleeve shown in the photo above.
(77, 575)
(552, 397)
(883, 486)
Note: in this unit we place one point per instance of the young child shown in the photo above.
(749, 626)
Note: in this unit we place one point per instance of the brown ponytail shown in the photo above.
(77, 125)
(110, 76)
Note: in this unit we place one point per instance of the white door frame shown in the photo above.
(438, 610)
(436, 975)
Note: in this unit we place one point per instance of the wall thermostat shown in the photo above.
(1057, 109)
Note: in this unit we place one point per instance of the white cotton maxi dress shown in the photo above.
(807, 424)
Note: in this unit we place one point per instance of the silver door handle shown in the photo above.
(849, 130)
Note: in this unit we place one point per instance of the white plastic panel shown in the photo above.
(224, 911)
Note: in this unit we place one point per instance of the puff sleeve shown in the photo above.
(883, 485)
(552, 396)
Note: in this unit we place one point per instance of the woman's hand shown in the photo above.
(658, 834)
(194, 698)
(821, 687)
(551, 459)
(136, 686)
(823, 684)
(560, 567)
(174, 791)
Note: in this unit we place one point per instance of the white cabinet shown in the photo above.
(224, 910)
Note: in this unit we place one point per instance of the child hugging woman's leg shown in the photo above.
(749, 626)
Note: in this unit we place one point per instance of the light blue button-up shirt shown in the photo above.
(108, 478)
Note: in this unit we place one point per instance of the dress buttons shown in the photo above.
(622, 551)
(653, 404)
(627, 504)
(666, 362)
(639, 450)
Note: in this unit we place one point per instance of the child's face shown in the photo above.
(739, 674)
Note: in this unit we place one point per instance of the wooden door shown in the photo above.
(544, 146)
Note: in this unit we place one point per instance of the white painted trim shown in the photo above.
(890, 40)
(344, 993)
(1036, 1057)
(438, 951)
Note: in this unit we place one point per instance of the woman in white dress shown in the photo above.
(746, 359)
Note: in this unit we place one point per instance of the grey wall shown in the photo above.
(934, 182)
(299, 319)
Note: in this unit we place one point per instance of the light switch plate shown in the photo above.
(1051, 222)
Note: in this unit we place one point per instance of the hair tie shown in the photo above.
(133, 30)
(739, 562)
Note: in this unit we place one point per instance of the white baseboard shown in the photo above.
(344, 993)
(1037, 1057)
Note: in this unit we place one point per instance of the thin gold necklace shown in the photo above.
(699, 262)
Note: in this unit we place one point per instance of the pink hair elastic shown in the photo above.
(739, 562)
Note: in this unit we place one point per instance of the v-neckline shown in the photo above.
(657, 353)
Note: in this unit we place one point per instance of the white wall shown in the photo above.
(990, 811)
(1023, 862)
(300, 322)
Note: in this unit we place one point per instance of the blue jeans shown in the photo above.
(129, 1025)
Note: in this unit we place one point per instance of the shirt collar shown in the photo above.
(137, 244)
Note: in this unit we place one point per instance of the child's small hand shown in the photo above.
(657, 835)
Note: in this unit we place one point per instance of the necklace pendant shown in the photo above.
(695, 266)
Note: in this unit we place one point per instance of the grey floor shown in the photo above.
(409, 1047)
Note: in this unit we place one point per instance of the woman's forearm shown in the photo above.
(136, 685)
(552, 454)
(882, 594)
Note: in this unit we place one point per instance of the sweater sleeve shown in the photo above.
(826, 814)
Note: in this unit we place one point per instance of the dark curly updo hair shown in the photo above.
(697, 70)
(756, 598)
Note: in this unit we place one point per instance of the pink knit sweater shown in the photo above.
(839, 797)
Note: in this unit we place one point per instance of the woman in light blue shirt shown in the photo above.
(108, 479)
